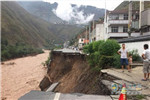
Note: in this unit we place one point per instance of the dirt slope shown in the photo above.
(74, 75)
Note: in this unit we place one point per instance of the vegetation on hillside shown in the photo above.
(17, 50)
(20, 26)
(23, 34)
(44, 10)
(103, 54)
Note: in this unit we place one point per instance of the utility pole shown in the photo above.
(89, 32)
(93, 31)
(86, 36)
(105, 19)
(141, 9)
(129, 18)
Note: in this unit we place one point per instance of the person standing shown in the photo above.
(130, 61)
(124, 58)
(146, 62)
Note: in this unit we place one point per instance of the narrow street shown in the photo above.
(22, 75)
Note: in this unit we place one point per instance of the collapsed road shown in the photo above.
(69, 77)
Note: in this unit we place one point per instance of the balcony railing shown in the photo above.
(119, 34)
(118, 22)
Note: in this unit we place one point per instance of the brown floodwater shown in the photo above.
(22, 75)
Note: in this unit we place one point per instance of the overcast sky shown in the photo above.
(110, 4)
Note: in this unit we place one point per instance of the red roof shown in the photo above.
(86, 41)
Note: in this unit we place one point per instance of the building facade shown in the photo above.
(117, 24)
(99, 31)
(145, 23)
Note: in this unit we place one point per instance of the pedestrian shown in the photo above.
(146, 62)
(124, 58)
(130, 61)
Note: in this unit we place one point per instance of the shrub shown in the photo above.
(103, 54)
(85, 49)
(116, 61)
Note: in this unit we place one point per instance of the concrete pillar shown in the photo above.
(141, 9)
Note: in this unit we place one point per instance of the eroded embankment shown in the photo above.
(74, 75)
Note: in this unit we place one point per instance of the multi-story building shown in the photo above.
(117, 24)
(96, 32)
(145, 23)
(99, 31)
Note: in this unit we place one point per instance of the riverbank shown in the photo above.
(22, 75)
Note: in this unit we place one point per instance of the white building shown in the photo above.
(99, 31)
(145, 23)
(117, 24)
(92, 35)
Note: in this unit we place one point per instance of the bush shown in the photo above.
(135, 55)
(116, 61)
(103, 54)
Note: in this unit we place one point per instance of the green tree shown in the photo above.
(103, 54)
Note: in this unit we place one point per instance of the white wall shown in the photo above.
(136, 45)
(99, 32)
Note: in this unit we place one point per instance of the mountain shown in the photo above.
(17, 25)
(135, 5)
(92, 10)
(41, 9)
(47, 10)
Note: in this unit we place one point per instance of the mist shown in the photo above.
(71, 14)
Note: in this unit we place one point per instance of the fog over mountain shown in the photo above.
(73, 14)
(59, 13)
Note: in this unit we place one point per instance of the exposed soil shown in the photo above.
(22, 75)
(74, 75)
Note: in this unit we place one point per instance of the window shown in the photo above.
(135, 17)
(125, 29)
(114, 29)
(115, 17)
(125, 16)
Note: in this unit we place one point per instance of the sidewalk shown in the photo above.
(134, 77)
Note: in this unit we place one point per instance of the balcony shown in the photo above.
(119, 22)
(123, 34)
(118, 34)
